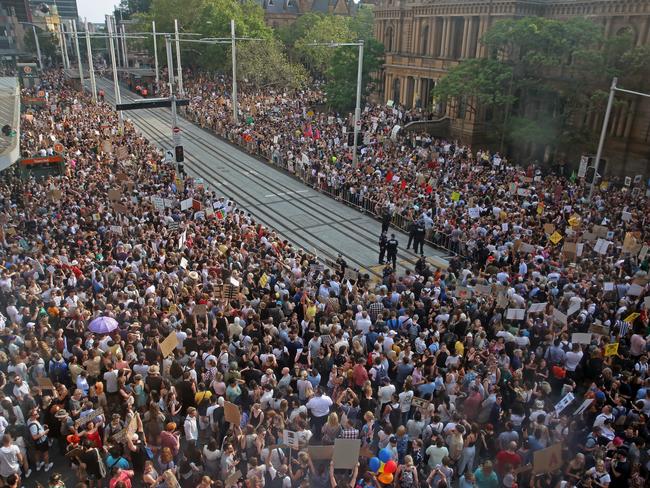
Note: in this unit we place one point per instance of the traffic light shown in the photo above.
(350, 139)
(359, 138)
(180, 156)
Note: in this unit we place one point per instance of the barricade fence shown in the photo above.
(320, 182)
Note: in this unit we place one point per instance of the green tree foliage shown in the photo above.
(211, 19)
(341, 85)
(258, 63)
(127, 8)
(559, 70)
(47, 42)
(325, 29)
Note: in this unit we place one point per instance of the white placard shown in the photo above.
(537, 307)
(575, 306)
(158, 202)
(184, 263)
(474, 212)
(608, 286)
(584, 406)
(581, 338)
(601, 246)
(186, 204)
(116, 229)
(635, 290)
(290, 438)
(559, 317)
(516, 314)
(564, 403)
(181, 240)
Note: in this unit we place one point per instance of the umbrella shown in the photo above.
(103, 325)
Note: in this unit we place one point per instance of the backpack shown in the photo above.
(380, 375)
(203, 405)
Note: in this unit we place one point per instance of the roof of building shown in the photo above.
(9, 114)
(291, 6)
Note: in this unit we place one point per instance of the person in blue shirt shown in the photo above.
(115, 459)
(485, 476)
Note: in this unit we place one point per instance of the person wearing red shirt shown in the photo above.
(508, 457)
(123, 475)
(359, 374)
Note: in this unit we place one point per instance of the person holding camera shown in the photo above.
(39, 437)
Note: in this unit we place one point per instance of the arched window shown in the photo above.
(424, 40)
(388, 40)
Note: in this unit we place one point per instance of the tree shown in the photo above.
(46, 40)
(127, 8)
(476, 83)
(341, 85)
(325, 29)
(265, 64)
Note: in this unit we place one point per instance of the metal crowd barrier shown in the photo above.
(363, 203)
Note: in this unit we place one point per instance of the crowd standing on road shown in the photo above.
(448, 377)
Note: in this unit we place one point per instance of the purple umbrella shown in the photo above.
(103, 325)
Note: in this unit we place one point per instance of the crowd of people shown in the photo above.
(455, 377)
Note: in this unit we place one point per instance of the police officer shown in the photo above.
(342, 264)
(412, 228)
(420, 230)
(386, 217)
(382, 247)
(391, 250)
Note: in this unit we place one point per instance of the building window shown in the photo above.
(424, 40)
(388, 41)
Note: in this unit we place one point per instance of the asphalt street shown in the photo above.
(307, 218)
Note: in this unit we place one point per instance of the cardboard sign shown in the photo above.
(600, 230)
(555, 237)
(77, 451)
(632, 317)
(45, 384)
(516, 314)
(575, 306)
(232, 479)
(231, 413)
(114, 195)
(169, 344)
(120, 209)
(199, 310)
(318, 453)
(158, 203)
(346, 453)
(600, 330)
(418, 402)
(564, 403)
(290, 439)
(549, 229)
(462, 292)
(601, 246)
(483, 289)
(581, 338)
(55, 195)
(116, 229)
(87, 416)
(611, 349)
(548, 460)
(122, 153)
(559, 317)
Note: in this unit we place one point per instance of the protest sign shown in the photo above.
(346, 453)
(231, 413)
(548, 460)
(169, 344)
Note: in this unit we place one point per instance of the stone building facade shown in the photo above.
(424, 38)
(279, 13)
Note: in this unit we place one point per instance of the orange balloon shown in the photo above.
(385, 478)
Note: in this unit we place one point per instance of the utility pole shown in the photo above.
(234, 70)
(38, 48)
(73, 28)
(178, 60)
(64, 47)
(357, 110)
(116, 33)
(603, 133)
(91, 69)
(118, 97)
(170, 63)
(155, 54)
(126, 52)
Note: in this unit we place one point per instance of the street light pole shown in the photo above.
(170, 64)
(116, 33)
(234, 70)
(603, 133)
(357, 110)
(38, 48)
(118, 97)
(64, 47)
(178, 60)
(73, 27)
(155, 54)
(125, 51)
(91, 69)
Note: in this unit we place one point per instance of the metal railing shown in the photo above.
(307, 175)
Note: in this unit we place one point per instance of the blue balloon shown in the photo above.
(385, 455)
(374, 464)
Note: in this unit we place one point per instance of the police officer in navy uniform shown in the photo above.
(342, 264)
(391, 250)
(418, 239)
(412, 229)
(382, 247)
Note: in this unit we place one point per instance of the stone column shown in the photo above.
(415, 36)
(388, 87)
(417, 97)
(430, 48)
(402, 90)
(449, 36)
(466, 28)
(443, 38)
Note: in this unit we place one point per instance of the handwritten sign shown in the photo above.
(169, 344)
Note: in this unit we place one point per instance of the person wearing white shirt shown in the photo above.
(319, 406)
(573, 358)
(190, 426)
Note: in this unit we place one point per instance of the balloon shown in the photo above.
(390, 467)
(385, 455)
(381, 468)
(374, 464)
(385, 478)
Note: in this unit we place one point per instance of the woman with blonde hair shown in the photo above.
(332, 429)
(407, 473)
